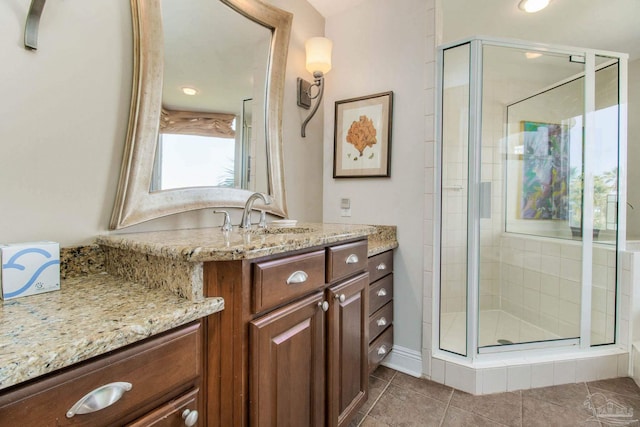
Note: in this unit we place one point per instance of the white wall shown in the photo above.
(633, 152)
(379, 46)
(64, 117)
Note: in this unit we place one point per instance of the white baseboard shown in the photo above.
(404, 360)
(635, 362)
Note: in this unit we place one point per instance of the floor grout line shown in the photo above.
(521, 408)
(378, 398)
(446, 408)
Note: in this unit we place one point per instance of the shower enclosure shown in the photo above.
(532, 150)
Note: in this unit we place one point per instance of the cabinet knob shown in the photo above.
(99, 398)
(381, 266)
(190, 417)
(297, 277)
(382, 350)
(382, 321)
(382, 292)
(352, 259)
(323, 305)
(341, 297)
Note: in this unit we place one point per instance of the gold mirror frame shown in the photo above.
(134, 202)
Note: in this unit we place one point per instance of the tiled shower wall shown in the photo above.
(455, 159)
(455, 155)
(433, 23)
(541, 284)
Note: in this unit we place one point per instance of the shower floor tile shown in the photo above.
(496, 327)
(401, 400)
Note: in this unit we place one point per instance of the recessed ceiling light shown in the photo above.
(531, 6)
(189, 91)
(532, 55)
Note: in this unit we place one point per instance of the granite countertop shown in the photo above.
(89, 316)
(211, 244)
(385, 239)
(175, 259)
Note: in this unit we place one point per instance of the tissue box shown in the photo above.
(29, 268)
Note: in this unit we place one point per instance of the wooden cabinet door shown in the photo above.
(287, 386)
(348, 343)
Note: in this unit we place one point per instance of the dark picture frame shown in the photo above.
(362, 136)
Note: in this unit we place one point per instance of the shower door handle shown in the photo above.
(485, 199)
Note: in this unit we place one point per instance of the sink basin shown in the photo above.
(283, 230)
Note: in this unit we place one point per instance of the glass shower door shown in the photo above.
(453, 238)
(530, 164)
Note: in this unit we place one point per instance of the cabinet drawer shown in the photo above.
(380, 265)
(380, 348)
(345, 260)
(380, 293)
(158, 370)
(380, 320)
(171, 413)
(278, 281)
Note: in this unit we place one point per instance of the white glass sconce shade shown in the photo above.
(318, 50)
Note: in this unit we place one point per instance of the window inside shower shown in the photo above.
(529, 166)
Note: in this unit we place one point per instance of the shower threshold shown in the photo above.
(497, 329)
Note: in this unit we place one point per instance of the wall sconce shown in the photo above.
(532, 6)
(318, 51)
(33, 22)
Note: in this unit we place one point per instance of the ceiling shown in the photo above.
(597, 24)
(215, 50)
(329, 8)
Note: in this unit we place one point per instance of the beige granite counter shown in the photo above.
(90, 315)
(174, 259)
(385, 239)
(211, 244)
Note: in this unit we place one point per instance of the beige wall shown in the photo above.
(379, 46)
(64, 115)
(633, 152)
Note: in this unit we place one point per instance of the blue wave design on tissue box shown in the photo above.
(13, 264)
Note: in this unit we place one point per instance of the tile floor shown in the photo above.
(397, 399)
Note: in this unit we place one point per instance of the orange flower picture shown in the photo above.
(362, 137)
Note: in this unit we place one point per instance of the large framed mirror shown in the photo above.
(205, 125)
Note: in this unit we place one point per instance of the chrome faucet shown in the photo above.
(246, 215)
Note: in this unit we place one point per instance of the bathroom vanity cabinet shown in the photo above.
(293, 344)
(380, 307)
(160, 379)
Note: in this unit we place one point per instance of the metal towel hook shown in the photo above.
(33, 22)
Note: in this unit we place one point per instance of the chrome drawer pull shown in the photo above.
(341, 297)
(297, 277)
(382, 321)
(381, 266)
(382, 350)
(190, 417)
(352, 259)
(100, 398)
(382, 292)
(324, 305)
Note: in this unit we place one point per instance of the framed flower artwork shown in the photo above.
(362, 137)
